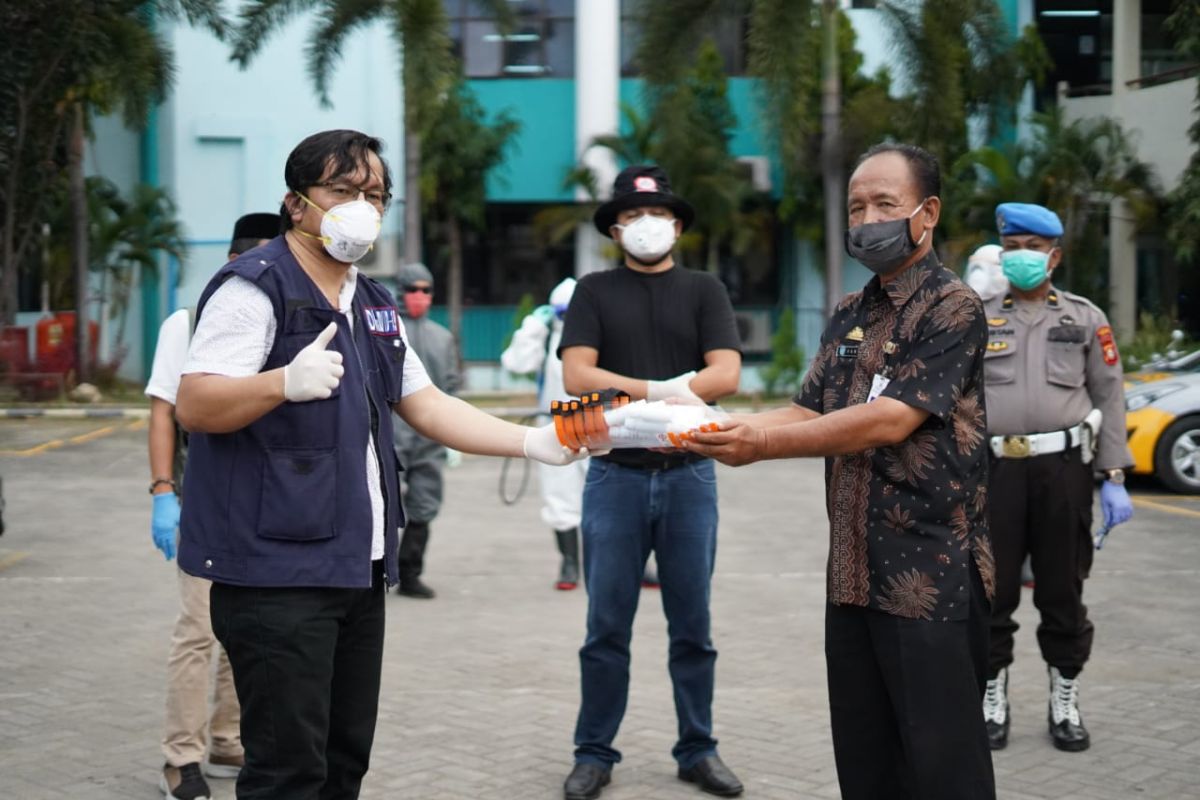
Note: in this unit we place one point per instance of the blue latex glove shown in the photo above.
(164, 522)
(1115, 503)
(544, 315)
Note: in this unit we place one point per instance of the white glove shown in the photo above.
(315, 372)
(678, 387)
(541, 444)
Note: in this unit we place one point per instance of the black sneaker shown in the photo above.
(414, 587)
(184, 783)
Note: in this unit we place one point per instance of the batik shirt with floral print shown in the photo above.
(906, 520)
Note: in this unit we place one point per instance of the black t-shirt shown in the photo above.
(652, 326)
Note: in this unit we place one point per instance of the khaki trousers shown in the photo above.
(189, 668)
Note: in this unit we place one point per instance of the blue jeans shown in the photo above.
(626, 514)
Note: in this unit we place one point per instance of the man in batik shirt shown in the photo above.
(894, 401)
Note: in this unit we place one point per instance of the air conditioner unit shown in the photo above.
(760, 171)
(754, 329)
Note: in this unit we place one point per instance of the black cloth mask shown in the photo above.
(883, 246)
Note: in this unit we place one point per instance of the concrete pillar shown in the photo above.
(597, 106)
(1122, 252)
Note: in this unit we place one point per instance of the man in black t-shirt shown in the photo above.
(655, 331)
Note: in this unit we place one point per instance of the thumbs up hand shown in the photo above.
(315, 372)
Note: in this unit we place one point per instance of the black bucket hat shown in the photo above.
(637, 186)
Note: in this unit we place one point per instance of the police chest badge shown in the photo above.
(382, 320)
(1108, 345)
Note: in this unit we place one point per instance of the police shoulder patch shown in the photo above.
(1108, 345)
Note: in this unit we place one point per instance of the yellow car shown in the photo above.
(1162, 423)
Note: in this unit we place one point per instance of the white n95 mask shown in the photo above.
(648, 238)
(348, 230)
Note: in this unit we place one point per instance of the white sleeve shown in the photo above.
(527, 351)
(169, 356)
(415, 377)
(235, 333)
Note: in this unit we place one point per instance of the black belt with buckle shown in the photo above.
(650, 461)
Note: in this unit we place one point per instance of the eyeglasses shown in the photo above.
(414, 289)
(344, 192)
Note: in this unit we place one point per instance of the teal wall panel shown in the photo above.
(485, 330)
(544, 150)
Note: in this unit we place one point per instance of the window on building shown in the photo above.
(508, 259)
(728, 29)
(540, 44)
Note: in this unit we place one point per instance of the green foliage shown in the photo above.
(461, 146)
(959, 62)
(1152, 340)
(126, 236)
(1075, 168)
(54, 56)
(1183, 209)
(782, 375)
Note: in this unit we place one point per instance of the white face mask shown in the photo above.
(648, 238)
(349, 230)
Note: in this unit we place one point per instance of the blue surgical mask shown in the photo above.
(1025, 269)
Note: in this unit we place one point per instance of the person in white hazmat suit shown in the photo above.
(984, 274)
(534, 349)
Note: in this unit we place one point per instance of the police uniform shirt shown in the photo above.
(1050, 362)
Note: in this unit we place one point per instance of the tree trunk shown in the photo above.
(8, 278)
(79, 243)
(831, 156)
(412, 196)
(454, 278)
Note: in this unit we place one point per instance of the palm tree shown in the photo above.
(461, 148)
(66, 62)
(1076, 168)
(126, 235)
(1183, 230)
(428, 70)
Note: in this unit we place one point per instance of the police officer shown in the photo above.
(1055, 416)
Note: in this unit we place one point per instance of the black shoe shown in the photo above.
(586, 781)
(1066, 728)
(183, 783)
(712, 776)
(413, 587)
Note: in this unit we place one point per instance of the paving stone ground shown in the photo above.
(480, 686)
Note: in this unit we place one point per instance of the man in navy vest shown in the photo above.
(293, 501)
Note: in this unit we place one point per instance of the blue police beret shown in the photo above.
(1017, 218)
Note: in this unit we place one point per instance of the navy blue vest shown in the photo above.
(283, 501)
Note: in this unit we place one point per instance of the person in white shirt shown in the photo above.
(192, 642)
(294, 501)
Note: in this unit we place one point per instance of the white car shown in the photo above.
(1162, 423)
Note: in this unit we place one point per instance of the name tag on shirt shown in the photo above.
(878, 384)
(382, 321)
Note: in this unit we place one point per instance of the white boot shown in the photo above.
(1066, 727)
(995, 710)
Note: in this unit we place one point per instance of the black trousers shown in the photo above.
(413, 542)
(1042, 506)
(905, 700)
(306, 665)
